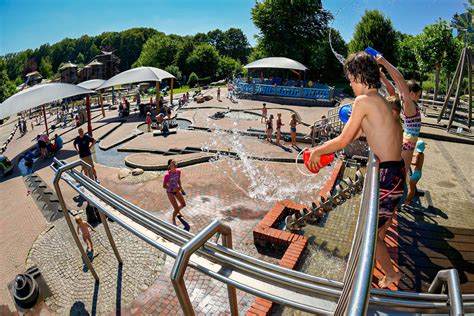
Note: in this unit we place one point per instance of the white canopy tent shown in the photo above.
(93, 85)
(40, 94)
(140, 74)
(276, 62)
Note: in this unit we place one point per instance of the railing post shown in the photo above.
(57, 177)
(450, 278)
(182, 259)
(275, 89)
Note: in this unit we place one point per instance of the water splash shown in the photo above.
(264, 183)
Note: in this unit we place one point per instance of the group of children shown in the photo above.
(378, 119)
(373, 116)
(269, 126)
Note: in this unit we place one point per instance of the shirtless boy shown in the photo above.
(372, 115)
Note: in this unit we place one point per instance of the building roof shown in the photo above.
(67, 65)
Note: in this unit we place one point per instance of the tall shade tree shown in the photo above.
(288, 26)
(185, 48)
(7, 87)
(407, 64)
(45, 68)
(323, 65)
(228, 67)
(432, 49)
(374, 30)
(236, 45)
(204, 60)
(159, 51)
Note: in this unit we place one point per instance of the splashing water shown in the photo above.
(264, 183)
(383, 89)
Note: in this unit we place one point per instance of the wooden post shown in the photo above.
(458, 90)
(451, 87)
(101, 104)
(45, 121)
(275, 89)
(88, 110)
(469, 69)
(157, 97)
(171, 91)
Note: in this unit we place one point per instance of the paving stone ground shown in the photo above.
(69, 280)
(237, 192)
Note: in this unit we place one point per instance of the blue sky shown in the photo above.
(30, 23)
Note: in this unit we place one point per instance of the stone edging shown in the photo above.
(265, 232)
(134, 134)
(163, 167)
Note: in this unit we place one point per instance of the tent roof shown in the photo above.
(91, 84)
(38, 95)
(276, 62)
(134, 75)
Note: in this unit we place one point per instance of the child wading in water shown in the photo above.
(279, 124)
(372, 115)
(148, 121)
(418, 160)
(84, 228)
(270, 128)
(174, 190)
(264, 114)
(293, 123)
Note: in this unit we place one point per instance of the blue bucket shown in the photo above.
(345, 113)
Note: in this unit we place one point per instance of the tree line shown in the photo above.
(297, 29)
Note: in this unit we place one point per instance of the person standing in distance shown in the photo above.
(83, 144)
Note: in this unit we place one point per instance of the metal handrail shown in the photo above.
(358, 277)
(249, 266)
(182, 260)
(450, 278)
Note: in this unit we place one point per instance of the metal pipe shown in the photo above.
(357, 282)
(109, 236)
(182, 259)
(56, 179)
(450, 278)
(267, 272)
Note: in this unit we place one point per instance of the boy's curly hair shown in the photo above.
(363, 68)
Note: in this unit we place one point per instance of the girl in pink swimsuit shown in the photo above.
(172, 184)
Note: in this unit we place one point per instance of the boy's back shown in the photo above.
(384, 134)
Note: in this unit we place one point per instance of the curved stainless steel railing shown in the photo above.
(271, 274)
(358, 277)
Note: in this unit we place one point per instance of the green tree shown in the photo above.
(228, 67)
(185, 48)
(80, 59)
(159, 51)
(193, 79)
(323, 65)
(406, 57)
(204, 60)
(287, 26)
(236, 45)
(174, 70)
(45, 68)
(374, 30)
(7, 87)
(432, 49)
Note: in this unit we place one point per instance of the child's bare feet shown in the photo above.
(387, 280)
